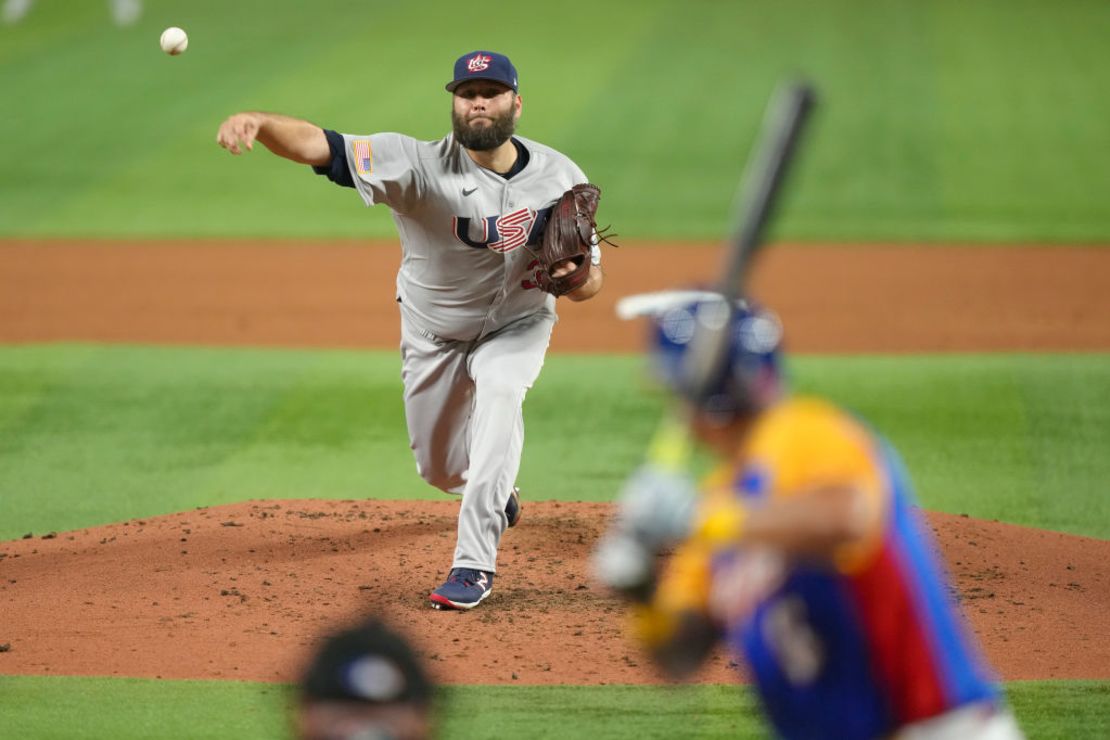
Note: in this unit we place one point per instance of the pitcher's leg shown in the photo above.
(504, 367)
(438, 397)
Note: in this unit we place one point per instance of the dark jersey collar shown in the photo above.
(522, 157)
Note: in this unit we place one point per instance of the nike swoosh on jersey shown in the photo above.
(468, 192)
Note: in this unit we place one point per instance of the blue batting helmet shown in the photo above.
(721, 356)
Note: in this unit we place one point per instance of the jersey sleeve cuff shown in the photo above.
(337, 170)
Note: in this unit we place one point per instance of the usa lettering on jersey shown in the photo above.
(506, 232)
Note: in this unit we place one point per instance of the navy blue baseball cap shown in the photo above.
(748, 376)
(483, 65)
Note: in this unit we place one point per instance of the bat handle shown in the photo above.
(671, 446)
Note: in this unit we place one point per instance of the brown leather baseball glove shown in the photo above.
(568, 240)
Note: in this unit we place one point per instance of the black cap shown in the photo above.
(368, 663)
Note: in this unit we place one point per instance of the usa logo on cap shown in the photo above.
(478, 63)
(483, 64)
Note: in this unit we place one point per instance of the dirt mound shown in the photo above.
(243, 591)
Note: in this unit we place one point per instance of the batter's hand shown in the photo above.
(241, 128)
(655, 511)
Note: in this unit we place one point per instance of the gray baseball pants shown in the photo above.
(463, 407)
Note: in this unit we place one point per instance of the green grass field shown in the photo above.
(940, 121)
(96, 434)
(71, 707)
(944, 120)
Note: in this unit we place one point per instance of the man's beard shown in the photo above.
(484, 138)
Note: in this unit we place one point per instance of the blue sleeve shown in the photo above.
(337, 170)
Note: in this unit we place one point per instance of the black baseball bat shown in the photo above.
(777, 142)
(779, 136)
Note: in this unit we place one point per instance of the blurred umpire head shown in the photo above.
(365, 683)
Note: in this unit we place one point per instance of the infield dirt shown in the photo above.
(243, 591)
(303, 294)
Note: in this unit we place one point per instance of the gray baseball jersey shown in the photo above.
(474, 324)
(464, 269)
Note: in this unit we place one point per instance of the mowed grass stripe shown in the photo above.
(1019, 438)
(947, 121)
(37, 708)
(94, 434)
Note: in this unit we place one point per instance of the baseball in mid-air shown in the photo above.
(174, 41)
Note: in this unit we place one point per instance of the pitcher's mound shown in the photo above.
(244, 591)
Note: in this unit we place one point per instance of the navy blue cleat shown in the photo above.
(465, 589)
(513, 509)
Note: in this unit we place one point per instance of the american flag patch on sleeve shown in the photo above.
(363, 157)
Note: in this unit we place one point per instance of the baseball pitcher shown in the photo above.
(493, 228)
